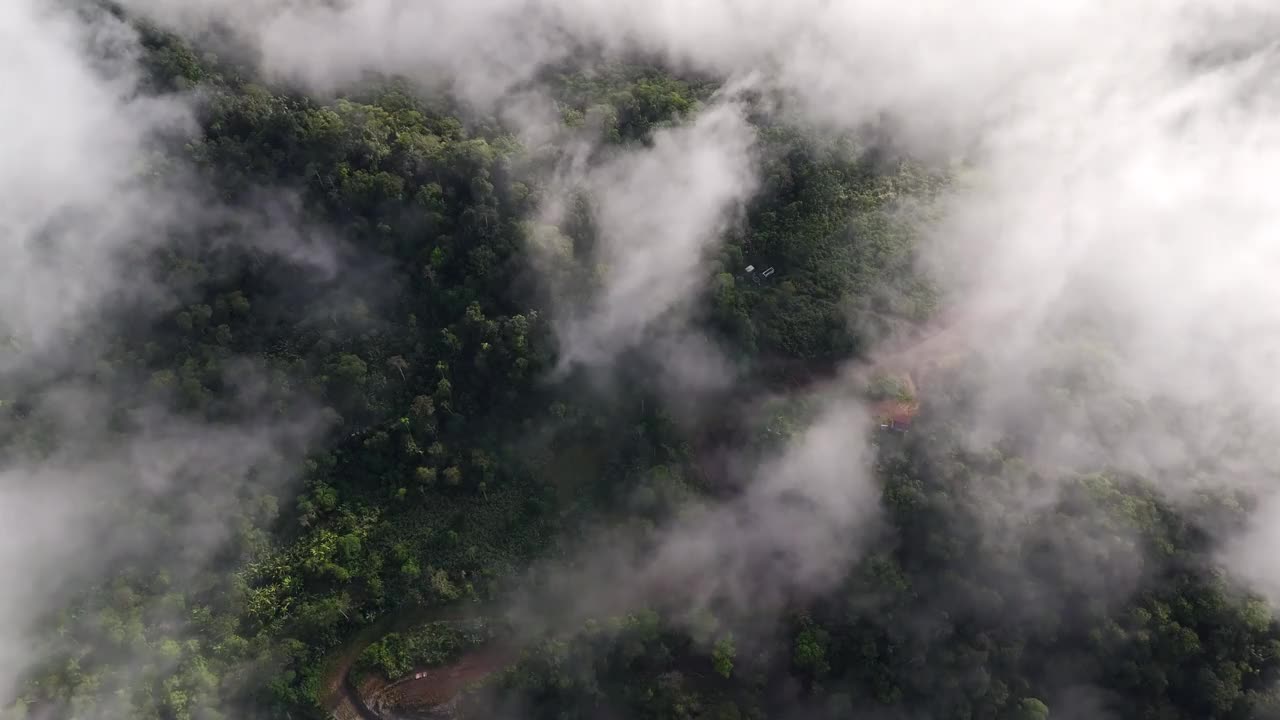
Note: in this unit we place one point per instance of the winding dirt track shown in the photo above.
(432, 690)
(346, 701)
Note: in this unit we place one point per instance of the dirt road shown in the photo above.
(429, 690)
(371, 701)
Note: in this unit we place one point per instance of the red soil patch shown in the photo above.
(895, 411)
(431, 687)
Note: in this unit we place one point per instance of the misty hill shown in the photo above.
(380, 360)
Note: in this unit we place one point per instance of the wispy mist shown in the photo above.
(658, 210)
(99, 471)
(75, 171)
(1112, 236)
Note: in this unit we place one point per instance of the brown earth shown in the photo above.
(429, 690)
(347, 702)
(895, 411)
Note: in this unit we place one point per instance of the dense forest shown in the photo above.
(456, 477)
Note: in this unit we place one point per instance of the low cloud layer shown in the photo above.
(74, 174)
(659, 211)
(806, 512)
(85, 192)
(1113, 224)
(1112, 232)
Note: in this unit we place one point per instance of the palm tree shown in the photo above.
(399, 363)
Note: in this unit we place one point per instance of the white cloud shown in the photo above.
(1122, 158)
